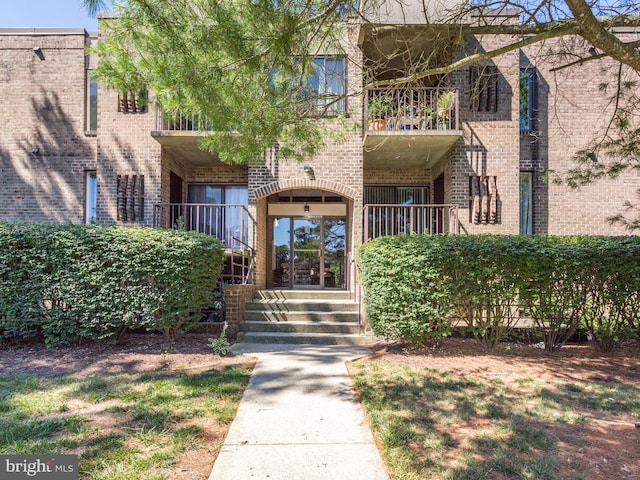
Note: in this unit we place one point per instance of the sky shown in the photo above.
(46, 13)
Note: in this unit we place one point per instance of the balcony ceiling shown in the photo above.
(400, 149)
(393, 51)
(183, 146)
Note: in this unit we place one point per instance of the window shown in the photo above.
(327, 85)
(220, 212)
(527, 92)
(90, 196)
(92, 102)
(526, 203)
(483, 85)
(133, 102)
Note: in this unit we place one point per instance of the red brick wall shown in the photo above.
(42, 105)
(236, 296)
(573, 110)
(491, 141)
(125, 147)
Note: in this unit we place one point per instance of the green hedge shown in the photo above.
(405, 295)
(418, 286)
(61, 283)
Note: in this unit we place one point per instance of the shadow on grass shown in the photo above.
(431, 424)
(127, 425)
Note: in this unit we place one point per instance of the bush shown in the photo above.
(485, 282)
(484, 276)
(62, 283)
(405, 294)
(612, 311)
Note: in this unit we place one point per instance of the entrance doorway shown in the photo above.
(309, 252)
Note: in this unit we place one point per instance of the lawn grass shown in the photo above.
(124, 426)
(433, 425)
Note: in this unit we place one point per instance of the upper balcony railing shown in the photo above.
(383, 220)
(395, 109)
(179, 122)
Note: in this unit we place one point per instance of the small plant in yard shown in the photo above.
(220, 345)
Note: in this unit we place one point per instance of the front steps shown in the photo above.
(319, 317)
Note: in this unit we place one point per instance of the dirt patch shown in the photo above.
(606, 446)
(465, 357)
(137, 354)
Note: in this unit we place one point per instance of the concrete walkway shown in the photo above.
(299, 419)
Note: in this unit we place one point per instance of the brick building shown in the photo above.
(460, 154)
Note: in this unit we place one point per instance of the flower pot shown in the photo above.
(377, 124)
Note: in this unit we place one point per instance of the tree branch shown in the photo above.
(593, 57)
(596, 33)
(532, 29)
(558, 31)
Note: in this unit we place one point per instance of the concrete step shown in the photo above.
(319, 317)
(298, 305)
(337, 328)
(304, 338)
(303, 295)
(303, 316)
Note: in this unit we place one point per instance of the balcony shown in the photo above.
(381, 220)
(233, 224)
(409, 127)
(180, 134)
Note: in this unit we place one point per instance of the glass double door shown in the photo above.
(309, 252)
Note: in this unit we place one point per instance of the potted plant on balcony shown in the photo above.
(379, 108)
(426, 115)
(446, 102)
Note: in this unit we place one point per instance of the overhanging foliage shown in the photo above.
(240, 66)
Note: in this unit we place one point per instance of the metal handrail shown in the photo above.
(233, 224)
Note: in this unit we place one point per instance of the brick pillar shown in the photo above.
(236, 297)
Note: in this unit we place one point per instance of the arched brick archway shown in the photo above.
(328, 185)
(260, 198)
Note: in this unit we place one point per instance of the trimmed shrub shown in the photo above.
(405, 294)
(555, 293)
(484, 279)
(416, 285)
(612, 311)
(62, 283)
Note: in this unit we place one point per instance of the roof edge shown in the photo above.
(35, 31)
(107, 14)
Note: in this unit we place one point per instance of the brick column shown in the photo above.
(236, 297)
